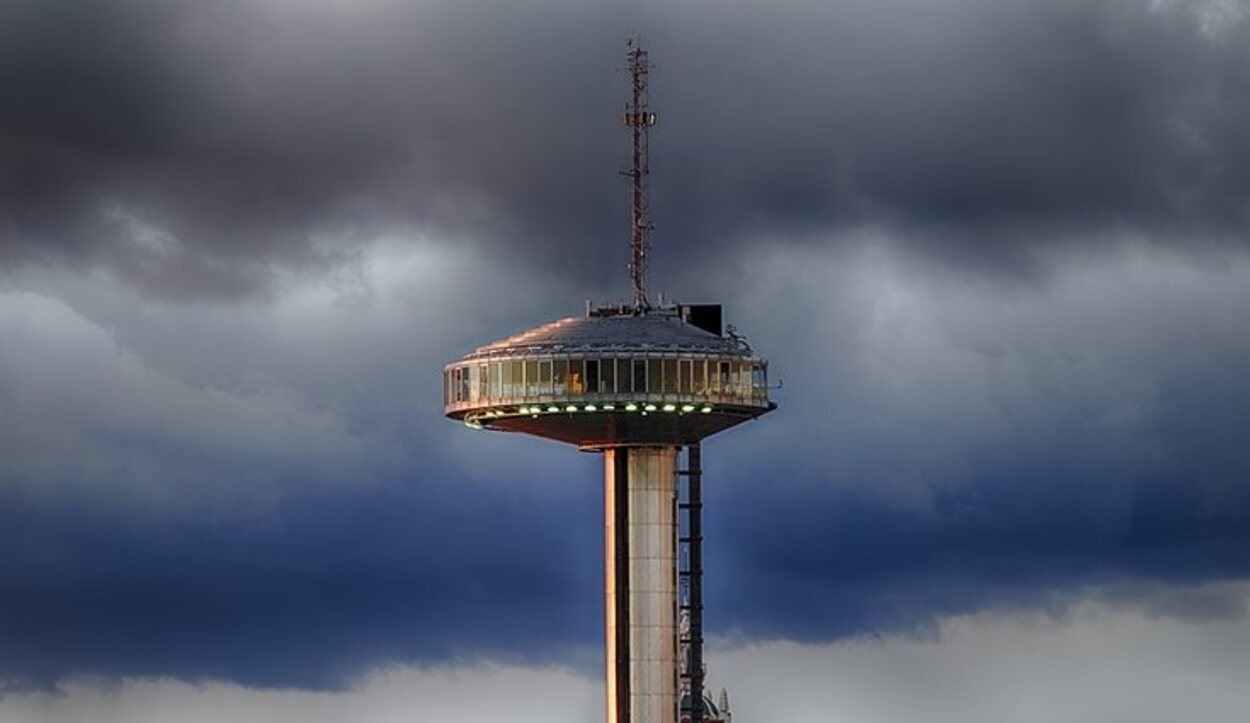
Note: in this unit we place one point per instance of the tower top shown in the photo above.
(638, 118)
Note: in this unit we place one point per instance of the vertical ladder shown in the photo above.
(690, 580)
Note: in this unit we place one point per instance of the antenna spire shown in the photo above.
(638, 119)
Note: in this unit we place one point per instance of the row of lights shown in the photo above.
(536, 410)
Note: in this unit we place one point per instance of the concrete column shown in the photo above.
(640, 493)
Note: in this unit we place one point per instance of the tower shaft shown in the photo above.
(640, 493)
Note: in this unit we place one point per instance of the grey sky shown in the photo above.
(996, 250)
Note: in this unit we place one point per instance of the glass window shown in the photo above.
(506, 387)
(757, 379)
(531, 378)
(544, 377)
(640, 376)
(464, 384)
(670, 376)
(518, 377)
(699, 383)
(445, 388)
(592, 376)
(607, 376)
(577, 380)
(655, 376)
(722, 381)
(685, 376)
(495, 388)
(559, 374)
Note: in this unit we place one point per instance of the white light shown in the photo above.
(670, 407)
(631, 407)
(705, 410)
(570, 408)
(687, 408)
(591, 408)
(523, 410)
(553, 408)
(609, 407)
(650, 407)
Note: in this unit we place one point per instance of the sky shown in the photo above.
(997, 251)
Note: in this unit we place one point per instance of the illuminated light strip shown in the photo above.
(536, 410)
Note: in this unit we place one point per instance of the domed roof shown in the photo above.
(709, 708)
(653, 331)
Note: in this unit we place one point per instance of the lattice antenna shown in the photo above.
(638, 118)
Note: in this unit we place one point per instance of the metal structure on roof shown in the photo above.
(643, 384)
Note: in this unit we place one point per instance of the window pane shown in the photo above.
(640, 376)
(699, 385)
(495, 388)
(670, 376)
(722, 381)
(531, 378)
(559, 371)
(655, 376)
(685, 376)
(607, 376)
(518, 377)
(464, 384)
(592, 376)
(544, 377)
(576, 382)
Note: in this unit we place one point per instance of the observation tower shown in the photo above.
(640, 383)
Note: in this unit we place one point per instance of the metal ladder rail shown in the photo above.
(690, 578)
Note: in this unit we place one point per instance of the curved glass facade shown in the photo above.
(658, 378)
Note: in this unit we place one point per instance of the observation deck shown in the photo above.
(613, 378)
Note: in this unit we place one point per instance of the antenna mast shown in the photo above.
(638, 118)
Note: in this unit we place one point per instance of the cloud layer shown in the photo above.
(995, 251)
(1103, 663)
(199, 149)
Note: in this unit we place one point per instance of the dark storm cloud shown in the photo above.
(311, 596)
(939, 449)
(260, 491)
(197, 147)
